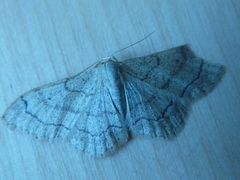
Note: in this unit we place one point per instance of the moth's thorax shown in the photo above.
(111, 65)
(109, 70)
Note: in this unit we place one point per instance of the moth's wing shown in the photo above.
(51, 111)
(67, 109)
(166, 83)
(152, 111)
(176, 70)
(102, 128)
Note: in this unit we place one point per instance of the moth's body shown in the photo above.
(98, 109)
(111, 75)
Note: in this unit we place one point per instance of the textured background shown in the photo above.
(42, 41)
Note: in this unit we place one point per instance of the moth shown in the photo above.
(99, 109)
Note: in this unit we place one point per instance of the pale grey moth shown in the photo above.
(100, 108)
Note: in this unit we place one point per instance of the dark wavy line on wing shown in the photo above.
(192, 82)
(167, 81)
(157, 118)
(58, 125)
(37, 118)
(103, 132)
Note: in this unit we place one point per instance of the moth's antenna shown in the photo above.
(132, 44)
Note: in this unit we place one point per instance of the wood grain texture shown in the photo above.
(45, 41)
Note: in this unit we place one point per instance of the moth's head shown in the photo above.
(105, 60)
